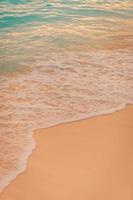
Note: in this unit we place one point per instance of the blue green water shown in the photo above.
(33, 27)
(60, 61)
(14, 13)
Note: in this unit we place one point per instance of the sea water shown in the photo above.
(60, 61)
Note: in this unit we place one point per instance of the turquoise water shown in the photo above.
(33, 27)
(14, 13)
(60, 61)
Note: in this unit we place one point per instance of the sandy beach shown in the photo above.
(63, 66)
(89, 159)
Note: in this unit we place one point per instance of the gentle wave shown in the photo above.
(60, 61)
(14, 12)
(61, 87)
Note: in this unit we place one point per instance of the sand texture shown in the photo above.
(86, 160)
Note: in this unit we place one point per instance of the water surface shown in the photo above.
(60, 61)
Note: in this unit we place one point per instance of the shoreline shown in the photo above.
(94, 120)
(29, 150)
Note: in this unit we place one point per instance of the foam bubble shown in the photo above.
(55, 89)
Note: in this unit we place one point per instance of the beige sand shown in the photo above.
(87, 160)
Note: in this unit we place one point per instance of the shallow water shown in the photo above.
(60, 61)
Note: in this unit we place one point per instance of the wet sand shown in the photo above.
(86, 160)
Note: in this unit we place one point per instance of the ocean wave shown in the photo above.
(58, 88)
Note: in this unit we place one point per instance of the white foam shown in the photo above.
(58, 88)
